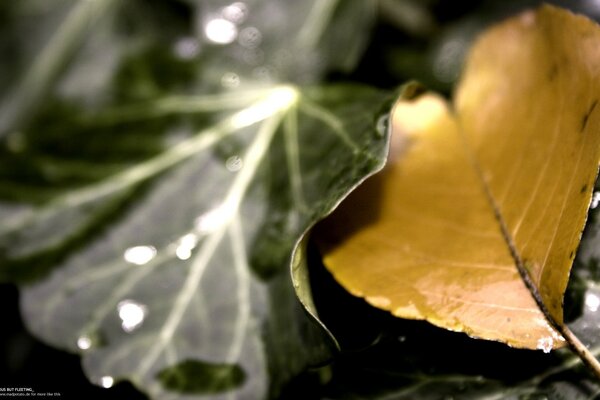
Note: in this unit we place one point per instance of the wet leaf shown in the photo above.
(156, 179)
(475, 223)
(170, 279)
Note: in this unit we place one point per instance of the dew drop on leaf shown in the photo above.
(107, 381)
(234, 163)
(139, 255)
(592, 302)
(132, 314)
(545, 344)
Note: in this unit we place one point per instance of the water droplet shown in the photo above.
(595, 200)
(382, 125)
(186, 48)
(592, 302)
(402, 339)
(107, 381)
(185, 245)
(139, 255)
(84, 342)
(220, 31)
(545, 344)
(230, 80)
(236, 12)
(234, 163)
(250, 37)
(132, 314)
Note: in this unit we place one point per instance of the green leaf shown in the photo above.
(176, 276)
(154, 182)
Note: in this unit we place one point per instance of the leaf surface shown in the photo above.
(474, 225)
(156, 179)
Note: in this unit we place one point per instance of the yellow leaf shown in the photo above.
(475, 222)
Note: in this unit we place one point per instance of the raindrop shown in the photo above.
(545, 344)
(185, 246)
(84, 342)
(132, 314)
(234, 163)
(250, 37)
(220, 31)
(236, 12)
(230, 80)
(107, 381)
(139, 255)
(592, 302)
(381, 127)
(187, 48)
(595, 200)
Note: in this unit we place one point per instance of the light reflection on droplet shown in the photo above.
(592, 302)
(234, 163)
(107, 381)
(139, 255)
(185, 246)
(220, 31)
(250, 37)
(187, 48)
(230, 80)
(595, 200)
(132, 314)
(236, 12)
(84, 342)
(545, 344)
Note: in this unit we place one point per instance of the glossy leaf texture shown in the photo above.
(154, 207)
(190, 271)
(474, 225)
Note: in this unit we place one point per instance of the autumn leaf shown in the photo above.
(474, 223)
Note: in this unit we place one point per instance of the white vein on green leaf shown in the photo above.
(143, 171)
(48, 63)
(286, 97)
(320, 15)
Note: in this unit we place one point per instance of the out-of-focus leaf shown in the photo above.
(475, 226)
(286, 40)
